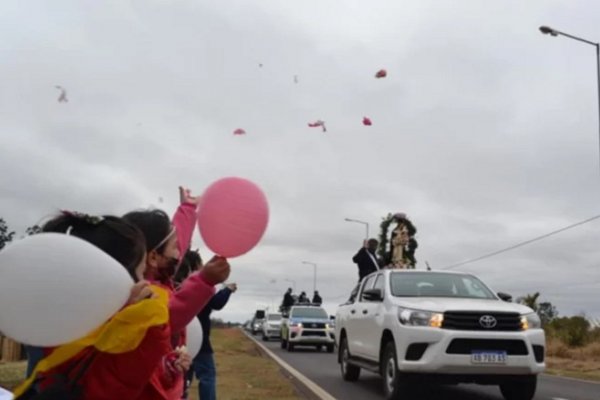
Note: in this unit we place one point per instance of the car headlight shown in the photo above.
(530, 321)
(296, 324)
(410, 317)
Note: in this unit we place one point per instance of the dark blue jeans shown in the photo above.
(204, 366)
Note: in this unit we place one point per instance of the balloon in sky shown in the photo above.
(233, 215)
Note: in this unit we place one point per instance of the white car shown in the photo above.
(307, 325)
(271, 327)
(421, 327)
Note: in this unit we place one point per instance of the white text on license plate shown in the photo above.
(488, 357)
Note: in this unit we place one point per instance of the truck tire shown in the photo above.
(393, 385)
(350, 373)
(265, 338)
(283, 343)
(290, 346)
(330, 348)
(520, 388)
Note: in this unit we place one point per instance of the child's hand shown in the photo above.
(217, 270)
(184, 361)
(185, 196)
(140, 291)
(231, 286)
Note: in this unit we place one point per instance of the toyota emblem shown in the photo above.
(488, 322)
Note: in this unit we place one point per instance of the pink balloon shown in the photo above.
(232, 216)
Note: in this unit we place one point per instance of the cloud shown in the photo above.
(484, 131)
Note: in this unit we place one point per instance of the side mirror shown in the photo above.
(332, 317)
(372, 295)
(505, 297)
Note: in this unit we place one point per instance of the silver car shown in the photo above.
(271, 327)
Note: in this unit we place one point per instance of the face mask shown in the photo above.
(168, 269)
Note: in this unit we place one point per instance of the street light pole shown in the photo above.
(546, 30)
(366, 224)
(314, 275)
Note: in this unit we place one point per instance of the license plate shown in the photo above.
(488, 357)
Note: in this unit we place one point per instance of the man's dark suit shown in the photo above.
(365, 263)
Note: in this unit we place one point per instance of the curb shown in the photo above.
(311, 389)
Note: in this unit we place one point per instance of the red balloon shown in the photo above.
(233, 215)
(367, 121)
(382, 73)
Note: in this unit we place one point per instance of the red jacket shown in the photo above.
(195, 292)
(185, 303)
(117, 376)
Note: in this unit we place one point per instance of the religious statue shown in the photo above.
(403, 245)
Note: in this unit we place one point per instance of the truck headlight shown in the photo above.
(530, 321)
(410, 317)
(296, 324)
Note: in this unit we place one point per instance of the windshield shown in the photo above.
(274, 317)
(309, 312)
(438, 285)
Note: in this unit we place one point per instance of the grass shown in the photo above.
(242, 372)
(12, 373)
(582, 362)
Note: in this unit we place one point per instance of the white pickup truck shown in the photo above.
(415, 328)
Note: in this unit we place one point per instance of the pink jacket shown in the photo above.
(184, 304)
(184, 221)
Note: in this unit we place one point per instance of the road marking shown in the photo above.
(567, 378)
(558, 398)
(313, 387)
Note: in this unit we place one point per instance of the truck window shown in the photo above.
(380, 283)
(367, 285)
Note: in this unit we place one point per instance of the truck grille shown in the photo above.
(467, 346)
(476, 321)
(313, 333)
(313, 325)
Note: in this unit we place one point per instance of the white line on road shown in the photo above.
(316, 389)
(568, 378)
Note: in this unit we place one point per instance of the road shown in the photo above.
(323, 369)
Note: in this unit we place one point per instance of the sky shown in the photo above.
(485, 131)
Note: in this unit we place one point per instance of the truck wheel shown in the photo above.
(290, 346)
(519, 388)
(349, 372)
(330, 348)
(283, 343)
(319, 347)
(265, 338)
(393, 385)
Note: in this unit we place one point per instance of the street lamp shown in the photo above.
(292, 282)
(546, 30)
(315, 274)
(366, 224)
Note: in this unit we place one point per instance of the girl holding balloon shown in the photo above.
(150, 357)
(102, 365)
(165, 242)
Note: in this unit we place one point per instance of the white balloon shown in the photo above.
(55, 288)
(193, 334)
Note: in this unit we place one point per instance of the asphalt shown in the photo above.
(322, 369)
